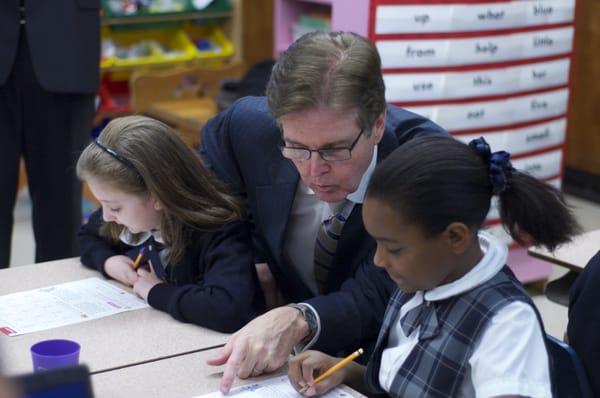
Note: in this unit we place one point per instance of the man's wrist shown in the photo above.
(309, 324)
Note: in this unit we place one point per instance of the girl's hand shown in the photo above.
(146, 280)
(120, 268)
(305, 367)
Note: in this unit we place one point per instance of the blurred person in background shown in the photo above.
(49, 74)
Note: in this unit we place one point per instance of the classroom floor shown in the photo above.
(554, 315)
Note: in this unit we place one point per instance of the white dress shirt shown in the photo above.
(307, 214)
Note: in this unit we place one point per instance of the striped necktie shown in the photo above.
(327, 239)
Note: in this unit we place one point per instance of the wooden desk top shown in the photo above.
(574, 255)
(182, 376)
(115, 341)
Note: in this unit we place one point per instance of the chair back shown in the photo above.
(181, 97)
(149, 86)
(568, 375)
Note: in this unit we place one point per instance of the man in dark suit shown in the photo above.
(583, 330)
(49, 72)
(301, 157)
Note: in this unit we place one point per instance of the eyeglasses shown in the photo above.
(327, 154)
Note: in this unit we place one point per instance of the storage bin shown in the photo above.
(218, 47)
(114, 98)
(175, 40)
(180, 7)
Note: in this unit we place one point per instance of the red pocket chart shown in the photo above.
(448, 52)
(393, 19)
(497, 69)
(496, 113)
(455, 85)
(522, 140)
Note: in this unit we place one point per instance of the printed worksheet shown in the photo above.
(64, 304)
(275, 387)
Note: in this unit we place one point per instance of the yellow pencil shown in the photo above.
(138, 259)
(340, 365)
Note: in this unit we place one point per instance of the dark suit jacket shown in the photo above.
(64, 40)
(584, 320)
(213, 285)
(241, 145)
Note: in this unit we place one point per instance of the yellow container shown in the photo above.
(174, 40)
(106, 62)
(221, 47)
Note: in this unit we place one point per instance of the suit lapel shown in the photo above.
(274, 203)
(388, 143)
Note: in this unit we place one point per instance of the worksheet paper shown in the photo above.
(276, 387)
(64, 304)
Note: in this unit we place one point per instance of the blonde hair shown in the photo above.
(144, 157)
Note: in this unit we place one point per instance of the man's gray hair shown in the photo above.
(337, 70)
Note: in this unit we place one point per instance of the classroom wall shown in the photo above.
(582, 176)
(258, 31)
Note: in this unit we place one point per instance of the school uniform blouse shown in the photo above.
(213, 285)
(509, 359)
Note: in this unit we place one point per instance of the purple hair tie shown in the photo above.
(500, 167)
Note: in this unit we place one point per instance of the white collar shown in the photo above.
(358, 196)
(494, 258)
(135, 240)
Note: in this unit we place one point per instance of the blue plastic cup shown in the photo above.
(50, 354)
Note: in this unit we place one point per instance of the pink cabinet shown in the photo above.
(347, 15)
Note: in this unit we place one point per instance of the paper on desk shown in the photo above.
(64, 304)
(276, 387)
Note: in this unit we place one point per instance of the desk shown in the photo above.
(574, 255)
(181, 376)
(115, 341)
